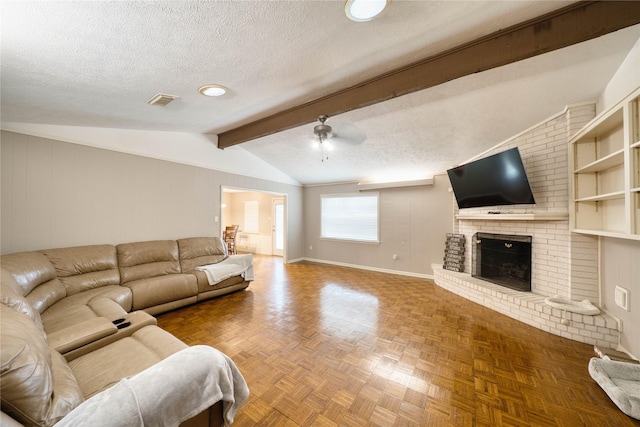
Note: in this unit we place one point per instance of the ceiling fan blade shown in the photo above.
(348, 134)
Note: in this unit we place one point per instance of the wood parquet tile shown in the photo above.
(331, 346)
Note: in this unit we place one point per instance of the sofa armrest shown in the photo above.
(172, 391)
(83, 333)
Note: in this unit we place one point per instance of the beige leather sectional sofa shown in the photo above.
(79, 339)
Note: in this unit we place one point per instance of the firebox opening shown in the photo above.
(502, 259)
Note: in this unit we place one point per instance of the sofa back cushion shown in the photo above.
(36, 278)
(199, 251)
(85, 267)
(11, 297)
(142, 260)
(38, 387)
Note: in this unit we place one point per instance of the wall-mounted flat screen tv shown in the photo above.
(496, 180)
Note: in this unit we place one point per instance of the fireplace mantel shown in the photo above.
(538, 216)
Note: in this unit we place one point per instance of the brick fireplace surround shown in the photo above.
(563, 263)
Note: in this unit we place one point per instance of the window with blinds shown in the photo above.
(349, 217)
(251, 216)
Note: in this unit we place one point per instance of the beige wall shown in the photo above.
(413, 223)
(57, 194)
(620, 267)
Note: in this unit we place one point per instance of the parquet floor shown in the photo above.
(331, 346)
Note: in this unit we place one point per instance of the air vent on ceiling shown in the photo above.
(161, 99)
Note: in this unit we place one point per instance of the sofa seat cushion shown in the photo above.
(162, 289)
(124, 358)
(37, 386)
(112, 302)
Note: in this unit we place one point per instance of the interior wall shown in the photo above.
(59, 194)
(624, 81)
(194, 149)
(413, 224)
(620, 267)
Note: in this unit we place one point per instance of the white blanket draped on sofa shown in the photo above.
(198, 376)
(233, 265)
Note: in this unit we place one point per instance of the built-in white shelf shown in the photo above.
(599, 197)
(605, 165)
(612, 160)
(538, 216)
(604, 233)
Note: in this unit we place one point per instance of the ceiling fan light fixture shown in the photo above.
(322, 131)
(213, 90)
(364, 10)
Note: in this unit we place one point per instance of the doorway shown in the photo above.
(261, 217)
(277, 227)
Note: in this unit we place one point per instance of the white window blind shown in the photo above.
(250, 216)
(349, 217)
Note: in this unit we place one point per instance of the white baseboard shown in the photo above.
(363, 267)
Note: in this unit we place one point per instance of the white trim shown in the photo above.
(328, 184)
(366, 267)
(365, 186)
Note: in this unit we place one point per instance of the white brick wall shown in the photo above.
(529, 308)
(563, 263)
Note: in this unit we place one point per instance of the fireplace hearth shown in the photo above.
(502, 259)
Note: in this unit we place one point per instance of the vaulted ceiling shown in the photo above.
(97, 63)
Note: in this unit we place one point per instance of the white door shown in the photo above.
(277, 227)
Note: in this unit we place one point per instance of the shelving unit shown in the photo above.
(605, 163)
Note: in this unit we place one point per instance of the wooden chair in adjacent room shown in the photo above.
(230, 234)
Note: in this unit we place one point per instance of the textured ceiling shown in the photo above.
(96, 63)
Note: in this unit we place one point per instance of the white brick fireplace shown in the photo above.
(563, 263)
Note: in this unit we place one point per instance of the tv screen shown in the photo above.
(496, 180)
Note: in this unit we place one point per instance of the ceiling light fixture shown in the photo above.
(364, 10)
(323, 132)
(213, 90)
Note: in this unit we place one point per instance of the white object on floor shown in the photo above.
(580, 307)
(621, 382)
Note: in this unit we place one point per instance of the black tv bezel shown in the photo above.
(496, 198)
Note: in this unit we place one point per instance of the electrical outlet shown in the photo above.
(310, 247)
(622, 297)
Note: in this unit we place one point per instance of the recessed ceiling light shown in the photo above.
(364, 10)
(213, 90)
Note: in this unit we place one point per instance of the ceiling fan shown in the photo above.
(328, 138)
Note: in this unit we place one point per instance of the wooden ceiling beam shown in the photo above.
(573, 24)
